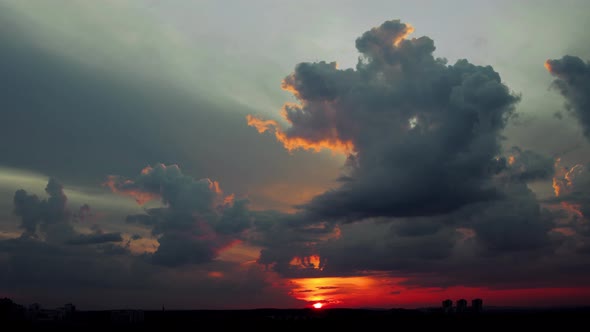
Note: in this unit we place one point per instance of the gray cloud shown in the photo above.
(527, 165)
(427, 185)
(98, 238)
(573, 82)
(197, 220)
(51, 219)
(424, 134)
(49, 216)
(52, 263)
(515, 223)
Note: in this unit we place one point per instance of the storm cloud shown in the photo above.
(572, 80)
(422, 136)
(427, 188)
(196, 220)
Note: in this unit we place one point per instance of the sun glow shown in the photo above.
(318, 305)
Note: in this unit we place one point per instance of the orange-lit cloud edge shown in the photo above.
(331, 141)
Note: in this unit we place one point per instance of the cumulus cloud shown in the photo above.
(426, 182)
(527, 165)
(49, 217)
(196, 220)
(571, 183)
(572, 80)
(421, 136)
(96, 238)
(572, 199)
(53, 263)
(513, 228)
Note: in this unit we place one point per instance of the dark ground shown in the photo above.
(281, 319)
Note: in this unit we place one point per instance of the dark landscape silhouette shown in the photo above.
(457, 315)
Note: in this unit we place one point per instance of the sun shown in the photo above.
(318, 305)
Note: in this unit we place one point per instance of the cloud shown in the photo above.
(49, 216)
(51, 220)
(515, 223)
(422, 135)
(427, 189)
(95, 278)
(527, 165)
(84, 239)
(572, 80)
(572, 195)
(196, 221)
(53, 263)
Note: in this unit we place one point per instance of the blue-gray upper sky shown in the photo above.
(92, 93)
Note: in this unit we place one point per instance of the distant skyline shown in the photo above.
(246, 154)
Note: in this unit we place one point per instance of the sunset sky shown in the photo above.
(229, 154)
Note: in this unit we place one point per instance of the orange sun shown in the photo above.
(318, 305)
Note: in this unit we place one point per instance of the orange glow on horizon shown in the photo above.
(381, 291)
(293, 143)
(343, 291)
(318, 305)
(407, 31)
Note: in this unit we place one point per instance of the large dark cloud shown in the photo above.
(572, 184)
(573, 82)
(514, 229)
(430, 190)
(423, 135)
(97, 238)
(196, 222)
(527, 165)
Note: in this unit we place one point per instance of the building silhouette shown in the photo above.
(447, 306)
(461, 305)
(476, 305)
(127, 316)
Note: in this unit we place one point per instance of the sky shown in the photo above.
(271, 154)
